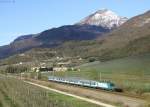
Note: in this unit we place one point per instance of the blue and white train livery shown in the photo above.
(88, 83)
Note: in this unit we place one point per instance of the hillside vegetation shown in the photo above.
(86, 50)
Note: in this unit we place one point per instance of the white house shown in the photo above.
(60, 69)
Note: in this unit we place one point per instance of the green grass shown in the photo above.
(131, 73)
(15, 93)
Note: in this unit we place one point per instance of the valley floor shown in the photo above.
(118, 99)
(132, 74)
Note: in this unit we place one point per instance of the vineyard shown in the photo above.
(16, 93)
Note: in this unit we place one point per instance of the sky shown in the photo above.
(21, 17)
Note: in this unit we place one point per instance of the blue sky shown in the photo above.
(33, 16)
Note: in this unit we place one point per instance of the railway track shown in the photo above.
(99, 95)
(101, 90)
(95, 94)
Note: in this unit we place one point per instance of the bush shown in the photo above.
(92, 59)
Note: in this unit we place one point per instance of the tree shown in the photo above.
(16, 69)
(39, 75)
(92, 59)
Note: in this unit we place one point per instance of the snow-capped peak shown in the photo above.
(104, 18)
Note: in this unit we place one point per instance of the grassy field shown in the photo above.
(131, 73)
(15, 93)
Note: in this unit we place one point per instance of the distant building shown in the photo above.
(64, 63)
(42, 69)
(60, 69)
(80, 59)
(49, 69)
(45, 69)
(20, 63)
(35, 69)
(21, 55)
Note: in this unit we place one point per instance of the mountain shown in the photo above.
(57, 36)
(130, 39)
(104, 18)
(52, 37)
(135, 29)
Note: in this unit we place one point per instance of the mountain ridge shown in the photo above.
(130, 39)
(54, 37)
(51, 38)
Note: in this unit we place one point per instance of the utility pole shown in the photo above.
(100, 76)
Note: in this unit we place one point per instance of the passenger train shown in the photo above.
(88, 83)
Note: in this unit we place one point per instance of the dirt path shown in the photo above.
(125, 101)
(99, 96)
(72, 95)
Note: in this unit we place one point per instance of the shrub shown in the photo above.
(92, 59)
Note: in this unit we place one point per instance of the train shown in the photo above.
(105, 85)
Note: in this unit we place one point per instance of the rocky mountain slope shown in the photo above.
(57, 36)
(132, 38)
(104, 18)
